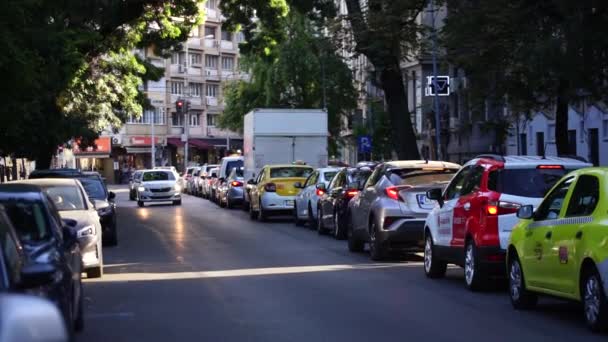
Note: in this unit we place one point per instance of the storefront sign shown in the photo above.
(145, 141)
(102, 145)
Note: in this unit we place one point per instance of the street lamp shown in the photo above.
(436, 96)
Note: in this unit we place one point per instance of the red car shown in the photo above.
(472, 223)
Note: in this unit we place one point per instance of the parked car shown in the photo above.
(335, 198)
(391, 210)
(274, 191)
(159, 186)
(201, 179)
(74, 206)
(103, 201)
(560, 249)
(47, 240)
(54, 173)
(31, 319)
(170, 168)
(210, 179)
(185, 178)
(476, 213)
(191, 184)
(231, 193)
(134, 184)
(305, 206)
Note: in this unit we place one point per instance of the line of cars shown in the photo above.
(53, 227)
(541, 222)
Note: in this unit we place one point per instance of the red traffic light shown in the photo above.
(179, 104)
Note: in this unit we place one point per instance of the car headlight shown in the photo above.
(86, 231)
(177, 187)
(141, 188)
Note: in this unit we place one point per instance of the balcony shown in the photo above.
(212, 74)
(211, 44)
(216, 132)
(211, 101)
(195, 42)
(227, 45)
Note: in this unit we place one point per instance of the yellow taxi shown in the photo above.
(273, 191)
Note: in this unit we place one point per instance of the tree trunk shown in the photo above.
(561, 119)
(402, 131)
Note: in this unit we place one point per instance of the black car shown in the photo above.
(106, 208)
(50, 244)
(55, 173)
(344, 186)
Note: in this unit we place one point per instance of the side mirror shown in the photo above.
(321, 186)
(111, 195)
(298, 185)
(35, 275)
(30, 318)
(435, 195)
(525, 212)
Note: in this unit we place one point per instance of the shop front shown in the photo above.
(96, 158)
(201, 150)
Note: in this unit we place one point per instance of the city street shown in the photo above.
(197, 272)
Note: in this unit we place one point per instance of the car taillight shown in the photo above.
(320, 192)
(270, 187)
(351, 193)
(388, 221)
(393, 191)
(236, 183)
(550, 167)
(502, 208)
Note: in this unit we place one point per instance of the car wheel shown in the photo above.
(354, 245)
(252, 214)
(521, 298)
(95, 272)
(594, 301)
(473, 276)
(262, 216)
(376, 251)
(433, 267)
(68, 315)
(131, 196)
(312, 223)
(339, 233)
(140, 204)
(79, 322)
(229, 204)
(178, 202)
(296, 219)
(321, 230)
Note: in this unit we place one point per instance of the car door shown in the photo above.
(568, 238)
(366, 197)
(302, 197)
(539, 257)
(310, 193)
(467, 207)
(258, 188)
(446, 211)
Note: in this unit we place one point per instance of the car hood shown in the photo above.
(159, 184)
(83, 217)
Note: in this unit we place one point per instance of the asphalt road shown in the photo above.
(201, 273)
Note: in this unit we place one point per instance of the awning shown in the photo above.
(138, 150)
(202, 143)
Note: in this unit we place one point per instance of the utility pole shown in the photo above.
(153, 142)
(436, 95)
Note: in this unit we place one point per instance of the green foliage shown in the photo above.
(294, 77)
(70, 70)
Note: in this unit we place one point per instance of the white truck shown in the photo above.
(284, 136)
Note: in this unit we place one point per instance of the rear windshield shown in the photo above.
(239, 172)
(330, 175)
(233, 165)
(524, 182)
(290, 172)
(359, 177)
(29, 220)
(94, 188)
(416, 177)
(66, 197)
(158, 176)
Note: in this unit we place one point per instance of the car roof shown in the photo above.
(231, 158)
(288, 165)
(41, 173)
(510, 161)
(329, 169)
(402, 164)
(20, 190)
(42, 182)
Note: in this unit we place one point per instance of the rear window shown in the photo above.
(158, 176)
(29, 220)
(235, 164)
(329, 175)
(525, 182)
(94, 188)
(418, 176)
(359, 177)
(290, 172)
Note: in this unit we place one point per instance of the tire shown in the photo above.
(321, 230)
(339, 231)
(296, 220)
(262, 216)
(96, 272)
(376, 251)
(68, 316)
(131, 196)
(594, 300)
(178, 202)
(433, 267)
(252, 214)
(521, 298)
(312, 223)
(354, 245)
(229, 204)
(474, 278)
(140, 204)
(79, 322)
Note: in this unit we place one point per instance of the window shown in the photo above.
(551, 132)
(339, 180)
(312, 179)
(178, 58)
(211, 61)
(549, 209)
(235, 164)
(328, 176)
(196, 58)
(374, 178)
(195, 31)
(177, 87)
(197, 89)
(211, 120)
(227, 63)
(585, 197)
(290, 172)
(66, 198)
(212, 90)
(473, 181)
(177, 119)
(158, 114)
(29, 220)
(359, 177)
(227, 36)
(10, 248)
(533, 182)
(454, 189)
(158, 176)
(209, 31)
(211, 4)
(416, 176)
(194, 120)
(94, 188)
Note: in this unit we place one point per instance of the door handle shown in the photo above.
(579, 234)
(548, 235)
(467, 206)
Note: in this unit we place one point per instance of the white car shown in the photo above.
(159, 186)
(200, 180)
(306, 201)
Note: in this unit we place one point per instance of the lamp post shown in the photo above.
(435, 87)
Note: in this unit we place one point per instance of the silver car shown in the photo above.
(208, 183)
(201, 179)
(231, 192)
(305, 207)
(74, 207)
(134, 184)
(390, 211)
(159, 186)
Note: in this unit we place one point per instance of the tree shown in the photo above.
(70, 67)
(531, 55)
(300, 71)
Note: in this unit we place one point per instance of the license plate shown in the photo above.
(289, 203)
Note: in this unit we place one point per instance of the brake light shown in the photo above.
(502, 208)
(550, 167)
(320, 192)
(351, 193)
(270, 187)
(492, 209)
(236, 183)
(393, 191)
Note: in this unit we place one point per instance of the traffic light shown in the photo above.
(179, 106)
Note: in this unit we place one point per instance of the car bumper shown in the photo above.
(235, 195)
(491, 260)
(274, 202)
(90, 251)
(159, 196)
(407, 234)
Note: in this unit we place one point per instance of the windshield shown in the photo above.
(239, 172)
(525, 182)
(290, 172)
(233, 164)
(66, 197)
(29, 220)
(359, 177)
(94, 188)
(329, 175)
(158, 176)
(417, 177)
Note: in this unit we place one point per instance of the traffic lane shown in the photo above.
(226, 277)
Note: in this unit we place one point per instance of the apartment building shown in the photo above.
(196, 74)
